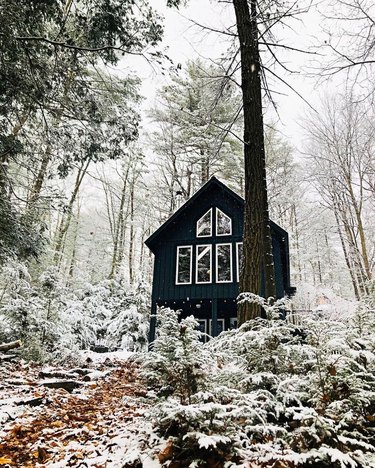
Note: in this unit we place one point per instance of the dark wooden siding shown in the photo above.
(182, 231)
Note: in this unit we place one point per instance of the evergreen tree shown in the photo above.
(196, 115)
(48, 53)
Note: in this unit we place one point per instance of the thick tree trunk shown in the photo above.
(257, 242)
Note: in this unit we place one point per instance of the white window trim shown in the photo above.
(204, 321)
(233, 322)
(219, 320)
(204, 235)
(238, 260)
(217, 263)
(205, 337)
(216, 224)
(191, 263)
(196, 264)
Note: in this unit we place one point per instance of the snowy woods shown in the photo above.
(96, 154)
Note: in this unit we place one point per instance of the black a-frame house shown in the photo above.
(197, 256)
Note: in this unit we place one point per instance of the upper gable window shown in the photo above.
(204, 225)
(223, 224)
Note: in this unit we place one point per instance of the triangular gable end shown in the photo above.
(152, 240)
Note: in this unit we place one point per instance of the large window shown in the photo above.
(224, 263)
(204, 225)
(223, 224)
(239, 257)
(204, 264)
(184, 264)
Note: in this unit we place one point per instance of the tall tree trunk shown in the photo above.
(4, 158)
(295, 230)
(362, 236)
(119, 229)
(345, 251)
(257, 242)
(189, 173)
(38, 182)
(131, 236)
(74, 251)
(355, 255)
(145, 234)
(205, 167)
(66, 220)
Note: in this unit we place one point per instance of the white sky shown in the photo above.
(183, 41)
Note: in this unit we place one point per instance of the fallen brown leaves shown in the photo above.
(46, 433)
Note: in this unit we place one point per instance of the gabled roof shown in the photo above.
(213, 181)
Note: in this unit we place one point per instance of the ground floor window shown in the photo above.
(224, 263)
(183, 264)
(205, 326)
(220, 263)
(233, 323)
(204, 264)
(220, 326)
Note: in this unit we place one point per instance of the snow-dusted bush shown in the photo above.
(129, 323)
(32, 312)
(268, 393)
(108, 312)
(128, 329)
(54, 321)
(177, 364)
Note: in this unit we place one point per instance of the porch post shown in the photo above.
(214, 317)
(151, 333)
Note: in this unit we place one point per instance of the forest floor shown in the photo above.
(92, 422)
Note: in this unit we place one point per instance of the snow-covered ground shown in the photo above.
(97, 424)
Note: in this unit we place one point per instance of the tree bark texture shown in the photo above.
(257, 242)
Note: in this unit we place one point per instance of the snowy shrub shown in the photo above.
(268, 394)
(128, 329)
(53, 320)
(32, 311)
(177, 364)
(129, 323)
(109, 313)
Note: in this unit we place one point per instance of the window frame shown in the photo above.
(233, 323)
(217, 263)
(211, 222)
(203, 321)
(191, 264)
(217, 226)
(238, 260)
(221, 320)
(196, 264)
